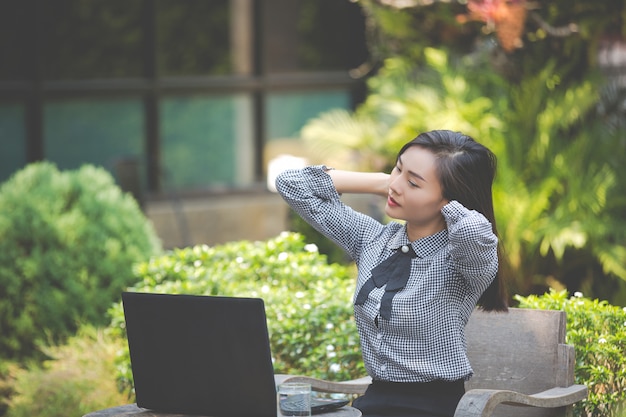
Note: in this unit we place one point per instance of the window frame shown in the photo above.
(35, 91)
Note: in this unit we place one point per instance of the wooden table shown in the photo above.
(131, 410)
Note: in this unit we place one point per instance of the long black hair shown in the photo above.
(466, 170)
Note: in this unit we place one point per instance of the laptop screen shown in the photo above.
(203, 355)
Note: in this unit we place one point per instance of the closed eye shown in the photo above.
(411, 183)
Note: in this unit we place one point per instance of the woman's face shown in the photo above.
(415, 194)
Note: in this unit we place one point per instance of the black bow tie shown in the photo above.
(393, 271)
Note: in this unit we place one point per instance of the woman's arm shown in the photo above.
(473, 245)
(314, 195)
(360, 182)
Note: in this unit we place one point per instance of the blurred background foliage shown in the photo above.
(77, 378)
(539, 99)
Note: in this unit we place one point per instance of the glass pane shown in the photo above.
(332, 35)
(16, 39)
(106, 133)
(288, 112)
(12, 139)
(206, 141)
(192, 37)
(91, 39)
(313, 35)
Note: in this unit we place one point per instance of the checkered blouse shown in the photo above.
(423, 340)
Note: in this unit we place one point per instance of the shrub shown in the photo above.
(6, 384)
(67, 244)
(77, 381)
(308, 301)
(597, 330)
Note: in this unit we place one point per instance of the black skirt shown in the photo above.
(410, 399)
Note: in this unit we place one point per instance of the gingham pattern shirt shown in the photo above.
(424, 338)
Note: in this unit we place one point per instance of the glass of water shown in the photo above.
(294, 399)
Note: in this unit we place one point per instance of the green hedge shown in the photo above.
(307, 300)
(310, 320)
(68, 241)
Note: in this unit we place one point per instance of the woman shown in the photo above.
(418, 280)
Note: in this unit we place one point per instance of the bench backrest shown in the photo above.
(523, 350)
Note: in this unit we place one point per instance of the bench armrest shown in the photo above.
(475, 402)
(481, 402)
(355, 386)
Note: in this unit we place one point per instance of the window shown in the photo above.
(192, 37)
(12, 139)
(289, 111)
(191, 90)
(206, 141)
(99, 131)
(313, 35)
(93, 39)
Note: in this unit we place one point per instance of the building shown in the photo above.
(184, 101)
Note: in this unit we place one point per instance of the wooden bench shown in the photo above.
(522, 367)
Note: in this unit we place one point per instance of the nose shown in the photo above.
(394, 185)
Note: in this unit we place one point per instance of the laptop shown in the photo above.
(203, 355)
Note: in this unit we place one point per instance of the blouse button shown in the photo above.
(379, 336)
(405, 249)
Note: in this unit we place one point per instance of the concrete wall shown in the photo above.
(217, 219)
(214, 220)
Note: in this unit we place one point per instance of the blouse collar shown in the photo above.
(423, 247)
